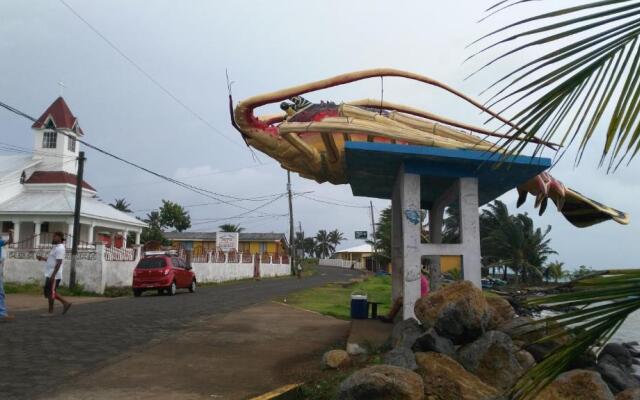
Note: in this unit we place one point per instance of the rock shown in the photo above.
(523, 329)
(457, 311)
(525, 359)
(445, 379)
(629, 394)
(618, 376)
(336, 359)
(540, 350)
(400, 357)
(431, 341)
(405, 333)
(631, 344)
(500, 311)
(578, 384)
(587, 360)
(618, 351)
(491, 358)
(382, 382)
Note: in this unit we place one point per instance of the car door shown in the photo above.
(177, 271)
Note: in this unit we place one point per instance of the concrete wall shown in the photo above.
(221, 272)
(331, 262)
(119, 273)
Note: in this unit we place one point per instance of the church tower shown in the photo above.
(57, 151)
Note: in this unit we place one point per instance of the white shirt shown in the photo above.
(56, 253)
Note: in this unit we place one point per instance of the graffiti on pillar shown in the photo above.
(413, 215)
(412, 274)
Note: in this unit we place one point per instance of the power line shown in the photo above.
(332, 203)
(193, 188)
(148, 76)
(260, 198)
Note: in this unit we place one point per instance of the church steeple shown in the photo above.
(56, 149)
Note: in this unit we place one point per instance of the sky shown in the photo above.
(179, 126)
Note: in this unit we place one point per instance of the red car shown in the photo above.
(163, 272)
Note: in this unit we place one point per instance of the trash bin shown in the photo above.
(359, 305)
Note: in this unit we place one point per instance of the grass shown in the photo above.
(335, 299)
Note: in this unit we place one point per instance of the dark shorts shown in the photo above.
(47, 287)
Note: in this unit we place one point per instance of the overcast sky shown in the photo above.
(186, 46)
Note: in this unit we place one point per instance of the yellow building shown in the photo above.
(249, 243)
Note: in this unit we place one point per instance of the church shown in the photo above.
(37, 191)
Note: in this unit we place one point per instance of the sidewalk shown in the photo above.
(241, 355)
(18, 302)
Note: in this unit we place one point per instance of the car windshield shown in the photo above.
(152, 262)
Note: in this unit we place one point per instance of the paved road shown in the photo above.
(38, 353)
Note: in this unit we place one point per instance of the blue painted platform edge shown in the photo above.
(474, 155)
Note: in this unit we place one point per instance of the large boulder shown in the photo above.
(405, 333)
(458, 312)
(500, 311)
(619, 352)
(335, 359)
(578, 384)
(617, 373)
(431, 341)
(492, 359)
(400, 357)
(445, 379)
(382, 382)
(523, 329)
(525, 359)
(629, 394)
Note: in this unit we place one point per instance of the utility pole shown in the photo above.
(292, 246)
(301, 237)
(375, 248)
(76, 221)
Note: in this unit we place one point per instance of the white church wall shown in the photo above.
(11, 186)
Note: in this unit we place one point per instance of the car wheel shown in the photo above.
(172, 288)
(137, 292)
(192, 288)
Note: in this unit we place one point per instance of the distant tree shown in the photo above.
(335, 238)
(582, 271)
(230, 228)
(323, 248)
(554, 270)
(309, 245)
(173, 215)
(154, 230)
(121, 205)
(382, 239)
(451, 224)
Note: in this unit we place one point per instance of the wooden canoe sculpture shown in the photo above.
(309, 138)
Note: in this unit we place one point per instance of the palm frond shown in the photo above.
(588, 77)
(600, 304)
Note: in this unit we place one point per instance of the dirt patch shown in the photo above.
(18, 302)
(238, 356)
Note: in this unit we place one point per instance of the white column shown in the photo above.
(126, 235)
(36, 232)
(92, 227)
(70, 232)
(470, 231)
(16, 231)
(113, 240)
(138, 237)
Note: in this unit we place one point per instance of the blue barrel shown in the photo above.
(359, 305)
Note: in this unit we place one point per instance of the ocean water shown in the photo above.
(630, 330)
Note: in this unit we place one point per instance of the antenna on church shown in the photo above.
(62, 86)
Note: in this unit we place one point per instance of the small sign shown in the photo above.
(361, 234)
(227, 241)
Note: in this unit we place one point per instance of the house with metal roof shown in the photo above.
(37, 190)
(249, 243)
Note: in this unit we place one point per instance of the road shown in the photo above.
(38, 354)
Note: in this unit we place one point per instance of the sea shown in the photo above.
(630, 330)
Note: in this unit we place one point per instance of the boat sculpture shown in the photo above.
(309, 138)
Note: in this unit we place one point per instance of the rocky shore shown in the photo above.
(465, 346)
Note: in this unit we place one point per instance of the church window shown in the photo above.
(49, 140)
(71, 144)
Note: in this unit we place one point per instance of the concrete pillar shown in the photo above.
(397, 261)
(16, 231)
(36, 234)
(470, 231)
(113, 240)
(126, 235)
(436, 216)
(138, 237)
(92, 228)
(70, 232)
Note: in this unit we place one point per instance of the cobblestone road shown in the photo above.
(39, 353)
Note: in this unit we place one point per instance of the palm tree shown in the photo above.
(122, 205)
(555, 270)
(230, 228)
(382, 239)
(309, 245)
(581, 81)
(335, 238)
(323, 248)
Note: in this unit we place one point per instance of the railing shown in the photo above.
(116, 254)
(335, 262)
(32, 254)
(44, 241)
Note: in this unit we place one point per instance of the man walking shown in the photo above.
(4, 315)
(53, 273)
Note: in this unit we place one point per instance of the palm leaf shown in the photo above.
(601, 303)
(587, 78)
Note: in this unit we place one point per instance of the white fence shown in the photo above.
(102, 267)
(335, 262)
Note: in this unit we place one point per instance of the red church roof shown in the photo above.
(61, 115)
(56, 177)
